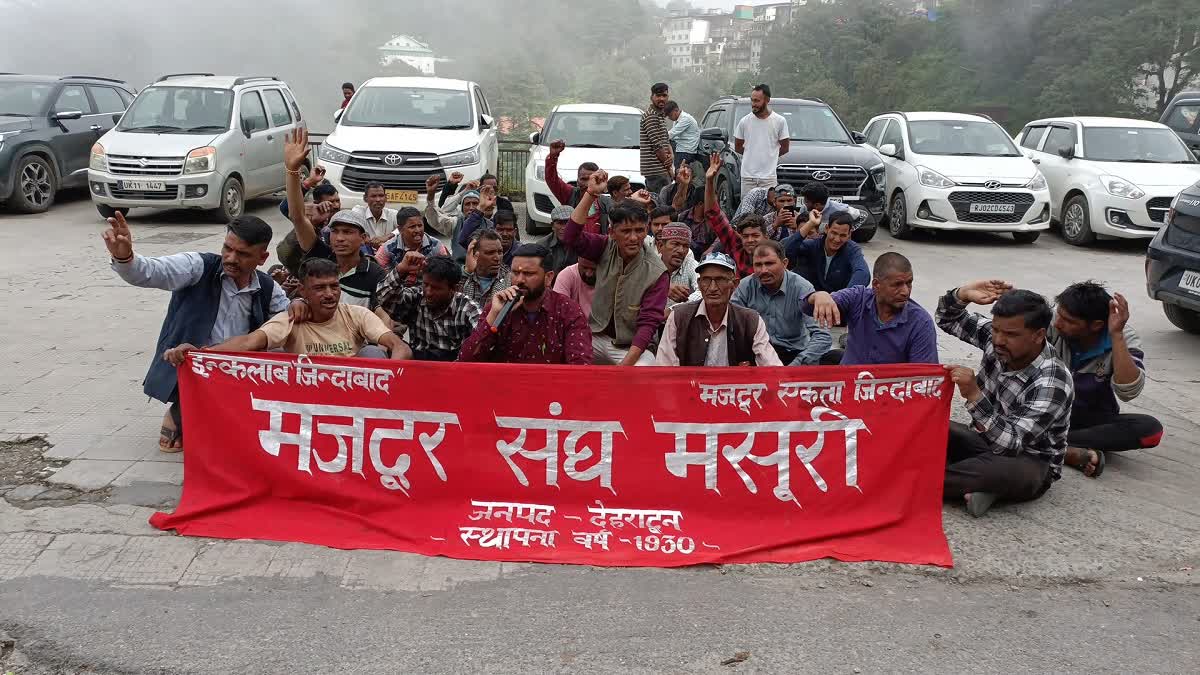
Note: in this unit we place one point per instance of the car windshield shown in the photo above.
(806, 122)
(965, 138)
(179, 110)
(593, 129)
(24, 99)
(413, 107)
(1123, 144)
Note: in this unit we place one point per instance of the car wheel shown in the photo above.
(725, 196)
(1076, 223)
(1184, 319)
(898, 217)
(862, 235)
(1026, 237)
(533, 227)
(233, 200)
(107, 212)
(36, 186)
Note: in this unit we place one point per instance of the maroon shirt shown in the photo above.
(556, 333)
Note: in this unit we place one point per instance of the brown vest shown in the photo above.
(692, 334)
(619, 291)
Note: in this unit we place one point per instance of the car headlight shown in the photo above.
(540, 172)
(201, 160)
(98, 162)
(1119, 187)
(931, 178)
(461, 158)
(879, 177)
(1038, 182)
(332, 154)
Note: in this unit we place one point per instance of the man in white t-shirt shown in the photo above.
(761, 138)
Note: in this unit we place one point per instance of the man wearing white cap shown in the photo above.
(712, 331)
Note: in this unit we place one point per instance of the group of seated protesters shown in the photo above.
(623, 282)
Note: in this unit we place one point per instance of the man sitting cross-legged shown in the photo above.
(1092, 336)
(1020, 403)
(437, 316)
(320, 324)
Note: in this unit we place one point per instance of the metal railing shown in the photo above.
(510, 169)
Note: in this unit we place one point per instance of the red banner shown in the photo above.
(600, 466)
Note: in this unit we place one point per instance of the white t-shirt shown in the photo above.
(760, 155)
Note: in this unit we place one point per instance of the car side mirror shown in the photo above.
(713, 134)
(486, 121)
(337, 115)
(68, 115)
(535, 138)
(858, 138)
(1067, 152)
(888, 149)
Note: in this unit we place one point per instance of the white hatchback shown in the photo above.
(1109, 177)
(605, 134)
(949, 171)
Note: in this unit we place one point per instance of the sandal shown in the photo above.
(1100, 461)
(168, 437)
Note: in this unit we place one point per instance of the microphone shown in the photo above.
(521, 293)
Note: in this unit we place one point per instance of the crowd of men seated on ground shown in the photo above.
(640, 279)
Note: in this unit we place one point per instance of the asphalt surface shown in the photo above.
(1097, 576)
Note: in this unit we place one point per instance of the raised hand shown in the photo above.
(118, 238)
(557, 146)
(295, 149)
(487, 198)
(964, 378)
(1118, 314)
(984, 291)
(598, 183)
(684, 175)
(456, 177)
(432, 184)
(413, 261)
(714, 166)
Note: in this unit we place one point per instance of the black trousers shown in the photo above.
(655, 184)
(832, 357)
(971, 466)
(1121, 432)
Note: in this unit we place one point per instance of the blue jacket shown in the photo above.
(848, 267)
(190, 318)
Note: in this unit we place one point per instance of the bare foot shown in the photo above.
(1084, 459)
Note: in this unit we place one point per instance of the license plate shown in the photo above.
(993, 208)
(402, 196)
(142, 185)
(1190, 282)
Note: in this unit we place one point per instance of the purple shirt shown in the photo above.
(910, 337)
(654, 300)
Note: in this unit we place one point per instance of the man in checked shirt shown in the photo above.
(1020, 402)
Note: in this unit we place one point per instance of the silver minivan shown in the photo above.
(195, 140)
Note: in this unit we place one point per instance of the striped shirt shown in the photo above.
(653, 137)
(1027, 410)
(359, 284)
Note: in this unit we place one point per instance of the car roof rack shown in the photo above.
(167, 77)
(244, 80)
(896, 112)
(91, 77)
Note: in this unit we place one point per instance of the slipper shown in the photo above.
(167, 438)
(1100, 461)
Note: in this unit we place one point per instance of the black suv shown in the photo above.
(1183, 116)
(48, 126)
(1173, 262)
(823, 149)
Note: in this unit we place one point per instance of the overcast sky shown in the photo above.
(723, 4)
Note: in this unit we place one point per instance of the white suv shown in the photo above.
(605, 134)
(195, 140)
(948, 171)
(399, 130)
(1109, 177)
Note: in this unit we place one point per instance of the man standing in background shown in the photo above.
(657, 163)
(761, 138)
(685, 135)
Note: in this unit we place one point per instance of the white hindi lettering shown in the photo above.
(732, 395)
(828, 393)
(679, 461)
(576, 452)
(652, 520)
(503, 537)
(350, 437)
(267, 371)
(867, 387)
(535, 514)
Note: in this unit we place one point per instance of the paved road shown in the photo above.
(1096, 576)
